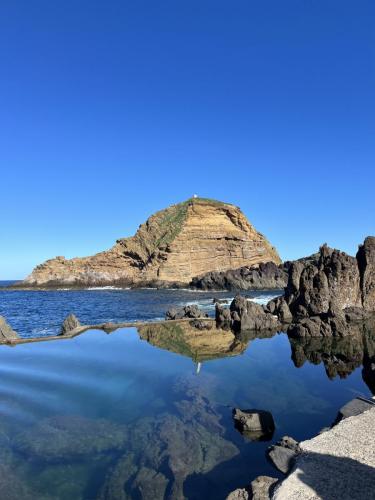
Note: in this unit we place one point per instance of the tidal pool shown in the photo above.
(146, 413)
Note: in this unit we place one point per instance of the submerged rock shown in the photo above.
(62, 438)
(70, 323)
(255, 424)
(354, 407)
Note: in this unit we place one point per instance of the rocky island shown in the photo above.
(172, 247)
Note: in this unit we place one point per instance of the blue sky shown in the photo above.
(112, 110)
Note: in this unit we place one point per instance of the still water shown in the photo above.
(146, 413)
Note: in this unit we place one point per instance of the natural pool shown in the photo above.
(146, 413)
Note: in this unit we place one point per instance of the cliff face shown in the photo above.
(172, 246)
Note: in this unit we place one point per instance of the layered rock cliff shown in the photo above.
(172, 246)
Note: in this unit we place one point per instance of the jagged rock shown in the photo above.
(366, 264)
(220, 301)
(280, 308)
(247, 315)
(174, 245)
(261, 488)
(223, 317)
(255, 424)
(283, 453)
(185, 312)
(69, 324)
(263, 276)
(6, 331)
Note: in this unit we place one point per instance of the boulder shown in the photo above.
(223, 317)
(6, 331)
(70, 323)
(283, 454)
(239, 494)
(257, 425)
(247, 315)
(185, 312)
(261, 488)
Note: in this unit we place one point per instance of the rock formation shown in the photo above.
(185, 312)
(264, 276)
(244, 314)
(6, 331)
(70, 323)
(326, 294)
(171, 247)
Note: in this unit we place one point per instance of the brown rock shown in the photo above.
(70, 323)
(366, 264)
(172, 246)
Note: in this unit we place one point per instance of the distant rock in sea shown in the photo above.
(171, 248)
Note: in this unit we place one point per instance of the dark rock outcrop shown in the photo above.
(244, 314)
(70, 323)
(283, 453)
(6, 331)
(257, 425)
(354, 407)
(192, 312)
(327, 291)
(265, 276)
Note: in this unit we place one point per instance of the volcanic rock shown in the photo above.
(171, 247)
(267, 275)
(185, 312)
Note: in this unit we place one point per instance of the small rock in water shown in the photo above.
(283, 453)
(6, 331)
(239, 494)
(69, 324)
(257, 425)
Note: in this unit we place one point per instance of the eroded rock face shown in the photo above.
(172, 246)
(267, 275)
(257, 425)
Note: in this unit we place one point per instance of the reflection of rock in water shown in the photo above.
(340, 356)
(162, 452)
(185, 339)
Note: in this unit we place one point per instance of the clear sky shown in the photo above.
(111, 110)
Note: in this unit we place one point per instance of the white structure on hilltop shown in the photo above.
(195, 196)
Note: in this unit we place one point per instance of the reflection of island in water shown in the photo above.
(340, 356)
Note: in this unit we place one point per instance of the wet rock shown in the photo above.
(220, 301)
(222, 317)
(264, 276)
(255, 424)
(261, 488)
(283, 454)
(185, 312)
(62, 438)
(6, 331)
(70, 323)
